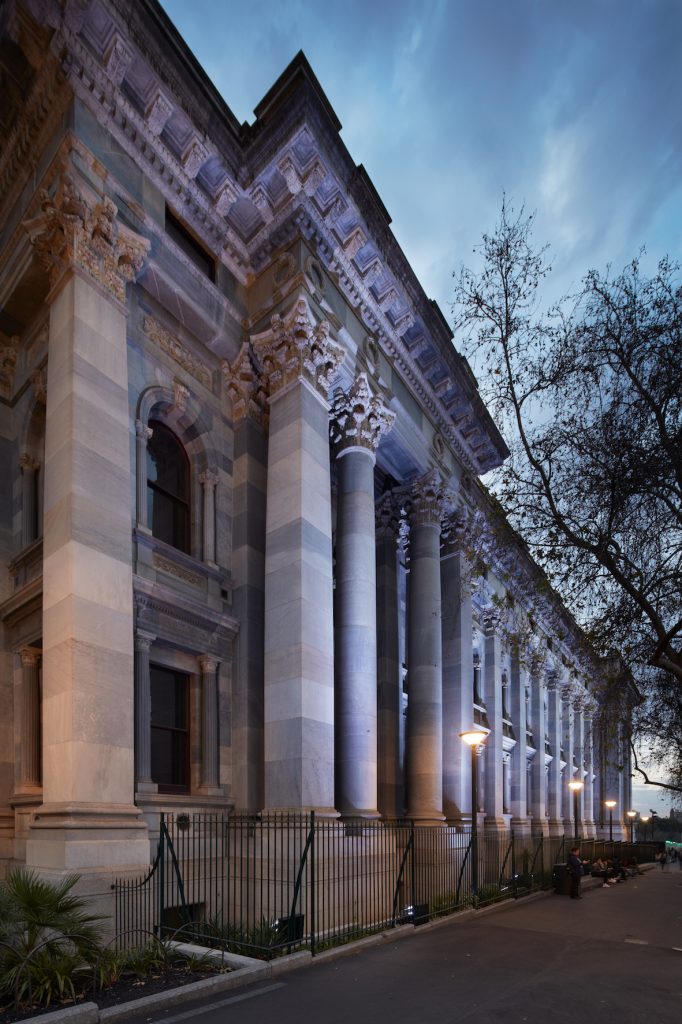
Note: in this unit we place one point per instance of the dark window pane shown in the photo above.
(167, 488)
(169, 728)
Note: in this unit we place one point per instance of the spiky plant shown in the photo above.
(48, 937)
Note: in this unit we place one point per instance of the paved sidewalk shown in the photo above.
(615, 957)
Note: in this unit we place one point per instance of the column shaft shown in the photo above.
(142, 435)
(538, 807)
(424, 652)
(554, 806)
(390, 788)
(518, 761)
(458, 684)
(29, 770)
(355, 636)
(209, 724)
(208, 482)
(143, 712)
(493, 747)
(29, 511)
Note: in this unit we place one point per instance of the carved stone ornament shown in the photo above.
(8, 362)
(167, 341)
(298, 349)
(387, 516)
(429, 501)
(552, 682)
(39, 382)
(75, 232)
(359, 418)
(181, 396)
(244, 386)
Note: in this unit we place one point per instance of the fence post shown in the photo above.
(162, 873)
(313, 908)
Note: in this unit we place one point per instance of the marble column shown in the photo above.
(29, 722)
(458, 678)
(142, 436)
(538, 808)
(390, 785)
(424, 655)
(208, 481)
(29, 499)
(143, 713)
(519, 764)
(88, 820)
(567, 698)
(588, 749)
(493, 747)
(358, 421)
(210, 767)
(298, 359)
(554, 779)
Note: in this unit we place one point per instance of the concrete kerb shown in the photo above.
(247, 970)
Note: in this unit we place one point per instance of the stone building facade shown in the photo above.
(246, 559)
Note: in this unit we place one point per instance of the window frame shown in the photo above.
(186, 731)
(177, 501)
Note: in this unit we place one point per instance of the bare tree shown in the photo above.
(590, 394)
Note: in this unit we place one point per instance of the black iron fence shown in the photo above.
(264, 885)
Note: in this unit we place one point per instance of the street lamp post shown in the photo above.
(610, 804)
(576, 787)
(644, 818)
(632, 815)
(473, 739)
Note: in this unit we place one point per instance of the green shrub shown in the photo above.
(48, 939)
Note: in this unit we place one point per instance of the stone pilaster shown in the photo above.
(29, 723)
(493, 748)
(142, 436)
(245, 390)
(554, 727)
(424, 654)
(143, 713)
(390, 786)
(538, 808)
(358, 421)
(458, 678)
(210, 767)
(208, 481)
(520, 821)
(30, 529)
(588, 754)
(88, 820)
(298, 359)
(567, 719)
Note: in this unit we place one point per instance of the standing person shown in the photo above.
(662, 858)
(575, 870)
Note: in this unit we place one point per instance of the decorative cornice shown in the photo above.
(178, 352)
(359, 418)
(298, 349)
(77, 231)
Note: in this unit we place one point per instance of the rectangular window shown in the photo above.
(170, 729)
(192, 248)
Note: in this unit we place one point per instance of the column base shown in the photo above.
(491, 824)
(86, 838)
(427, 818)
(556, 827)
(359, 815)
(521, 826)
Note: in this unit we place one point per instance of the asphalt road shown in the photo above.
(611, 957)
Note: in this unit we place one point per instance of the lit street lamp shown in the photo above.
(576, 787)
(474, 738)
(632, 815)
(644, 819)
(610, 804)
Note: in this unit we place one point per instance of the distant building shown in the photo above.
(246, 559)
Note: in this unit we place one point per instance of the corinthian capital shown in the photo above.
(295, 348)
(429, 501)
(359, 418)
(78, 231)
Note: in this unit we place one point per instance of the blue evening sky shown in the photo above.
(571, 106)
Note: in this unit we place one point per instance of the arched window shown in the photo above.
(168, 504)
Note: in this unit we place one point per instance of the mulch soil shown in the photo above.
(125, 990)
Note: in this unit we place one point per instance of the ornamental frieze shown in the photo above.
(78, 232)
(298, 349)
(178, 352)
(359, 418)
